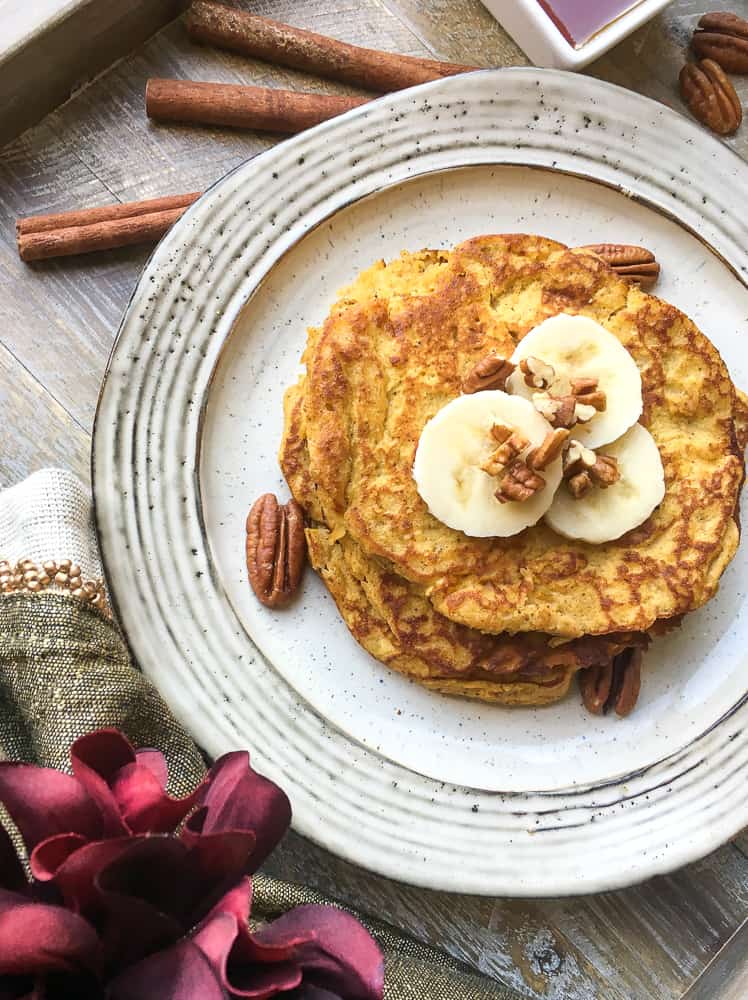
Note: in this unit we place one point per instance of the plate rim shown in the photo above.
(104, 513)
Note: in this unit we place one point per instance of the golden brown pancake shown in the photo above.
(394, 351)
(394, 622)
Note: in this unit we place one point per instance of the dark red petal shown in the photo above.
(37, 938)
(144, 805)
(217, 933)
(43, 802)
(132, 929)
(142, 898)
(216, 862)
(96, 759)
(334, 951)
(181, 973)
(155, 870)
(237, 798)
(12, 875)
(75, 866)
(155, 761)
(237, 902)
(216, 937)
(50, 854)
(261, 982)
(104, 751)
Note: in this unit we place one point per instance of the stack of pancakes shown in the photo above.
(508, 620)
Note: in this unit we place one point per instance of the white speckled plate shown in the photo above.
(432, 790)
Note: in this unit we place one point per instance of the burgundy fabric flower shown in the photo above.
(135, 893)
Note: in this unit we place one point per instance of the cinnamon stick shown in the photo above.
(107, 213)
(83, 231)
(242, 106)
(274, 42)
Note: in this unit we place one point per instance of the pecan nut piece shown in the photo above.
(276, 549)
(548, 450)
(723, 37)
(584, 468)
(490, 372)
(595, 684)
(630, 262)
(580, 484)
(605, 471)
(538, 375)
(519, 483)
(587, 391)
(615, 684)
(578, 458)
(511, 443)
(559, 411)
(711, 96)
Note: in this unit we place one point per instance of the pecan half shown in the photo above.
(711, 96)
(490, 372)
(519, 483)
(538, 375)
(595, 684)
(613, 685)
(548, 450)
(629, 262)
(723, 37)
(276, 549)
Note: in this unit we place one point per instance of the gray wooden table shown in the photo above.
(57, 324)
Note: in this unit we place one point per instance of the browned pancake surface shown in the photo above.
(394, 351)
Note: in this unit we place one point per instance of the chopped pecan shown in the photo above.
(538, 375)
(490, 372)
(511, 443)
(559, 411)
(613, 685)
(519, 483)
(723, 37)
(579, 484)
(501, 433)
(583, 469)
(584, 412)
(711, 96)
(276, 549)
(630, 262)
(587, 391)
(605, 471)
(578, 458)
(549, 449)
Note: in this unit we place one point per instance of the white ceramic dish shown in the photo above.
(431, 790)
(543, 43)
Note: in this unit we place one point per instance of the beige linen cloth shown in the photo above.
(65, 670)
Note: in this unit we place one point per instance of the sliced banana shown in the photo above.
(453, 446)
(578, 347)
(604, 514)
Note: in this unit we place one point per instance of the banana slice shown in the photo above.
(577, 347)
(453, 446)
(604, 514)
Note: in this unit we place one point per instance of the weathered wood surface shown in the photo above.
(57, 325)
